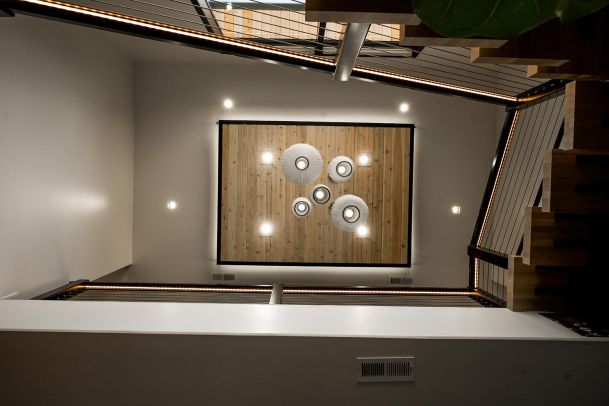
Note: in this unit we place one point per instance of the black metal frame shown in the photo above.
(74, 288)
(209, 41)
(408, 262)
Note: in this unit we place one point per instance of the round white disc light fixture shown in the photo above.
(321, 194)
(301, 163)
(301, 207)
(172, 205)
(341, 169)
(404, 107)
(349, 212)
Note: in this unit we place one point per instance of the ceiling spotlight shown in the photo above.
(266, 229)
(351, 214)
(266, 157)
(362, 231)
(341, 169)
(404, 107)
(321, 194)
(494, 162)
(301, 163)
(456, 209)
(228, 104)
(301, 207)
(172, 205)
(363, 159)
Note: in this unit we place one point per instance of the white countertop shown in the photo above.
(277, 320)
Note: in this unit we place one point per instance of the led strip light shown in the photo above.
(227, 289)
(492, 199)
(368, 72)
(421, 81)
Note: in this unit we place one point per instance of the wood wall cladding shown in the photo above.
(252, 192)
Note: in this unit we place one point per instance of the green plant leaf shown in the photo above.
(498, 18)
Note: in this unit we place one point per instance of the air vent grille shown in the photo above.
(391, 369)
(400, 280)
(223, 276)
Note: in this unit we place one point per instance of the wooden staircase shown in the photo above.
(565, 259)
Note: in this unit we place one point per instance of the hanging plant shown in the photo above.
(498, 18)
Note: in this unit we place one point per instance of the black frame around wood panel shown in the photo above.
(408, 263)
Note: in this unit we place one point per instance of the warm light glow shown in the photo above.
(456, 209)
(404, 107)
(172, 205)
(228, 104)
(363, 159)
(363, 231)
(266, 157)
(266, 229)
(301, 207)
(320, 194)
(349, 213)
(403, 292)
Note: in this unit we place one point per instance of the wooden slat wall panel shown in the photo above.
(252, 192)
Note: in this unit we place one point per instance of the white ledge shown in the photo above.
(278, 320)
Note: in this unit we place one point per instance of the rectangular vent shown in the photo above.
(400, 280)
(223, 276)
(389, 369)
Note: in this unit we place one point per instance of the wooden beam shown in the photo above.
(422, 35)
(361, 11)
(576, 181)
(524, 285)
(587, 115)
(571, 70)
(554, 44)
(554, 240)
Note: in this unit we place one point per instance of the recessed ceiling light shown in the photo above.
(404, 107)
(362, 231)
(302, 163)
(363, 159)
(172, 205)
(456, 209)
(266, 157)
(494, 162)
(351, 214)
(266, 229)
(228, 104)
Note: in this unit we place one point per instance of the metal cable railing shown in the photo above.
(283, 25)
(530, 132)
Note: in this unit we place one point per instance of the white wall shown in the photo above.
(66, 156)
(178, 105)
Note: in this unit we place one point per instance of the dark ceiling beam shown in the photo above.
(321, 35)
(361, 11)
(207, 16)
(354, 37)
